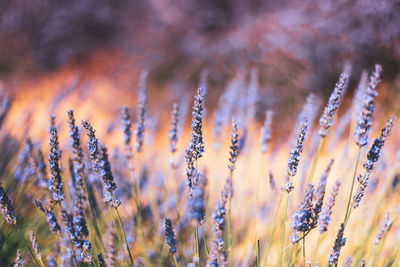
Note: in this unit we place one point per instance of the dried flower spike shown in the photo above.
(325, 217)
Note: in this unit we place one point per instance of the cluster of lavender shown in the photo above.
(307, 215)
(78, 235)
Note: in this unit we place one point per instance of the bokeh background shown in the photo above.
(52, 49)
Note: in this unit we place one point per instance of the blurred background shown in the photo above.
(96, 48)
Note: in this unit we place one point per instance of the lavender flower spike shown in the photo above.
(7, 208)
(196, 140)
(109, 185)
(339, 243)
(141, 112)
(55, 183)
(365, 117)
(326, 119)
(170, 235)
(173, 132)
(93, 144)
(295, 153)
(234, 146)
(35, 246)
(325, 217)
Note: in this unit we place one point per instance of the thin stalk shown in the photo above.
(283, 229)
(304, 251)
(271, 237)
(229, 224)
(175, 261)
(123, 231)
(346, 217)
(205, 240)
(197, 242)
(314, 165)
(258, 253)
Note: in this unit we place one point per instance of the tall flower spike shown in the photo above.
(109, 185)
(76, 141)
(170, 236)
(373, 156)
(320, 194)
(127, 130)
(325, 217)
(296, 151)
(196, 140)
(55, 183)
(365, 117)
(326, 119)
(216, 257)
(339, 243)
(173, 131)
(93, 144)
(266, 131)
(303, 217)
(50, 217)
(387, 224)
(141, 112)
(35, 246)
(234, 146)
(7, 208)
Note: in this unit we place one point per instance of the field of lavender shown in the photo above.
(209, 189)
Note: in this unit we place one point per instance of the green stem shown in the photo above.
(346, 217)
(123, 231)
(205, 240)
(258, 253)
